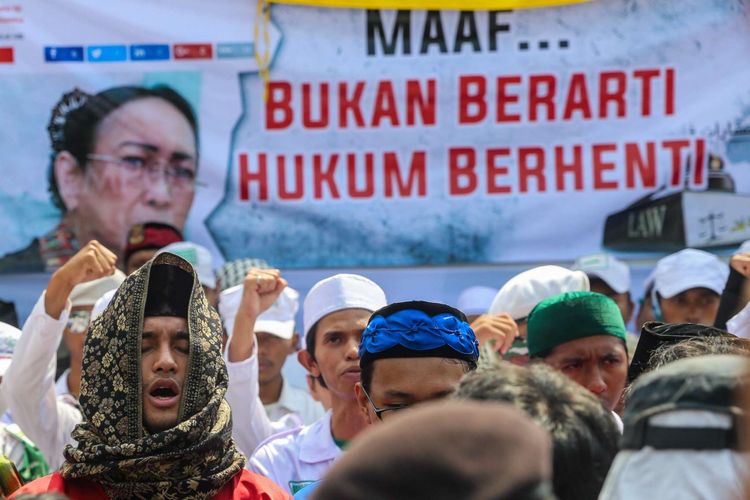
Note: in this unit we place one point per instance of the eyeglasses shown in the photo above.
(179, 172)
(383, 413)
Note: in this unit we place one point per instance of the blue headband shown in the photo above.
(417, 331)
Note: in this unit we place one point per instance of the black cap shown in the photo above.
(169, 289)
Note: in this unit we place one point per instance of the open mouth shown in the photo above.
(164, 393)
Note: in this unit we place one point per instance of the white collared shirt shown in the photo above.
(297, 402)
(250, 423)
(46, 418)
(299, 456)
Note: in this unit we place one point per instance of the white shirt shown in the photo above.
(250, 423)
(297, 402)
(299, 456)
(46, 418)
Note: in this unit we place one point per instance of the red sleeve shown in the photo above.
(76, 490)
(250, 486)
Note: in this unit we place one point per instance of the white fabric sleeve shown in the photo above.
(250, 423)
(30, 385)
(740, 324)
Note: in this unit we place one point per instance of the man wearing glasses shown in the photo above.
(412, 352)
(335, 312)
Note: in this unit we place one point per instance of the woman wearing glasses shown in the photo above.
(124, 156)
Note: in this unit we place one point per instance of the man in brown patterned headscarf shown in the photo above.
(156, 423)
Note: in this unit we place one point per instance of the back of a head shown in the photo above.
(584, 434)
(699, 346)
(467, 450)
(681, 438)
(656, 338)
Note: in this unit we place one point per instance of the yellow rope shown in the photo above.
(433, 4)
(263, 53)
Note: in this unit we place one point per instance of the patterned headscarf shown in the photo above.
(193, 459)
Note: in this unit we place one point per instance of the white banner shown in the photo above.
(382, 138)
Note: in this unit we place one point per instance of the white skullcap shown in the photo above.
(86, 294)
(614, 272)
(524, 291)
(198, 256)
(689, 268)
(339, 292)
(476, 299)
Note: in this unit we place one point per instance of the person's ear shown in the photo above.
(69, 176)
(364, 404)
(306, 360)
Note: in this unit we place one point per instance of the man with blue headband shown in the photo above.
(412, 352)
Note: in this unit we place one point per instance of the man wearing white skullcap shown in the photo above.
(335, 313)
(505, 322)
(45, 411)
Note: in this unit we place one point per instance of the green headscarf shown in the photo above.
(571, 316)
(194, 459)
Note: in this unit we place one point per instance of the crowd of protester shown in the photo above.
(159, 376)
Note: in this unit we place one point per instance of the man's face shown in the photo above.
(696, 305)
(337, 340)
(138, 258)
(598, 363)
(114, 196)
(164, 358)
(398, 383)
(623, 301)
(272, 354)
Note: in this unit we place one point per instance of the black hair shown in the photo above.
(584, 434)
(310, 347)
(75, 118)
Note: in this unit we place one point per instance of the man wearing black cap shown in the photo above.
(144, 240)
(170, 438)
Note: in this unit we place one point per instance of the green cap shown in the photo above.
(571, 316)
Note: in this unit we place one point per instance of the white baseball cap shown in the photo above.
(606, 267)
(476, 299)
(524, 291)
(198, 256)
(9, 335)
(86, 294)
(279, 318)
(339, 292)
(689, 268)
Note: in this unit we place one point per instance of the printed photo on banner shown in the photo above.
(116, 156)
